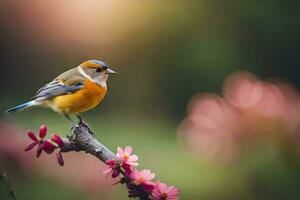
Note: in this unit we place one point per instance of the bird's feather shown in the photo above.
(21, 107)
(62, 85)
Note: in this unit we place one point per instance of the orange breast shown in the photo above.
(84, 99)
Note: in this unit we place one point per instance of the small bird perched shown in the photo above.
(74, 91)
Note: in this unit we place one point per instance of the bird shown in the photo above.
(75, 91)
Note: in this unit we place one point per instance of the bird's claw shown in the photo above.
(92, 134)
(72, 134)
(88, 127)
(80, 119)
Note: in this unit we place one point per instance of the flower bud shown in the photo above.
(57, 139)
(43, 131)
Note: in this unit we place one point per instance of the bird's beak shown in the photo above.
(109, 71)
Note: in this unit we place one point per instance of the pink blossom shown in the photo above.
(162, 192)
(143, 177)
(37, 140)
(128, 160)
(126, 157)
(49, 146)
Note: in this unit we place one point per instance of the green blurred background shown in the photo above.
(164, 53)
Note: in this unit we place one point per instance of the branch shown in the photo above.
(83, 140)
(122, 164)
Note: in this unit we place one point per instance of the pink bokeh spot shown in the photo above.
(217, 127)
(243, 89)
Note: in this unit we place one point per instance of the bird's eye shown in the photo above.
(105, 67)
(98, 69)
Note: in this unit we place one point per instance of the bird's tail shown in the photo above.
(21, 107)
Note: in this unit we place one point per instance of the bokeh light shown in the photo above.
(251, 109)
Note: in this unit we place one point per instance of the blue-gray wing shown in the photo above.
(56, 88)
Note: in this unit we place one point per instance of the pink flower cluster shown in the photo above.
(139, 183)
(48, 146)
(251, 109)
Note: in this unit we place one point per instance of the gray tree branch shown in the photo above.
(83, 140)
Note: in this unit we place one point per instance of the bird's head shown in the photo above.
(95, 70)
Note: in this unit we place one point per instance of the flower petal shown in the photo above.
(57, 139)
(120, 151)
(132, 163)
(115, 173)
(128, 150)
(173, 192)
(39, 151)
(60, 159)
(149, 186)
(107, 170)
(111, 162)
(32, 135)
(30, 146)
(156, 195)
(162, 187)
(127, 168)
(133, 158)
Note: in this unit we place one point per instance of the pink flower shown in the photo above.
(143, 177)
(49, 146)
(57, 139)
(162, 192)
(126, 157)
(128, 160)
(37, 140)
(112, 168)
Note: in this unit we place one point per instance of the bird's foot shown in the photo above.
(80, 119)
(92, 134)
(83, 123)
(72, 134)
(89, 128)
